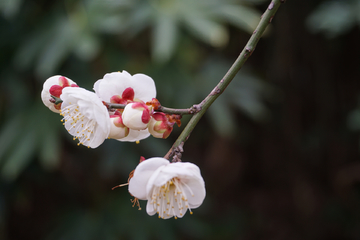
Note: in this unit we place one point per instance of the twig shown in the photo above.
(221, 86)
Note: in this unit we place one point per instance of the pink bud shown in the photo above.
(54, 86)
(159, 126)
(56, 90)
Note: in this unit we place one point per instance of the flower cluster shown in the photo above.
(88, 117)
(124, 107)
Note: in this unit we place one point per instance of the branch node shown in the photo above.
(248, 49)
(216, 90)
(271, 6)
(178, 153)
(195, 109)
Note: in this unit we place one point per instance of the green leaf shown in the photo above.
(87, 46)
(59, 46)
(8, 135)
(332, 17)
(9, 8)
(29, 50)
(243, 17)
(353, 120)
(206, 29)
(19, 158)
(222, 118)
(50, 146)
(138, 20)
(165, 33)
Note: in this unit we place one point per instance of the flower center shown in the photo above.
(170, 199)
(78, 125)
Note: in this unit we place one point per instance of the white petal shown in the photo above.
(116, 82)
(135, 135)
(45, 94)
(180, 170)
(137, 184)
(45, 97)
(94, 112)
(144, 87)
(150, 208)
(188, 174)
(132, 117)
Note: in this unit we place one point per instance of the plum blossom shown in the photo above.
(85, 116)
(54, 86)
(123, 88)
(170, 188)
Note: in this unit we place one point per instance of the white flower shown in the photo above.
(170, 188)
(135, 135)
(86, 117)
(54, 86)
(121, 87)
(136, 116)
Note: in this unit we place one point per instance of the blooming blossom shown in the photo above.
(86, 117)
(123, 88)
(54, 86)
(170, 188)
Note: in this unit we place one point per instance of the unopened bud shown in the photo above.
(136, 116)
(159, 126)
(117, 128)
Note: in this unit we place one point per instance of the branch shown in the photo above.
(191, 110)
(221, 86)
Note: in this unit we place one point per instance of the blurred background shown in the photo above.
(279, 150)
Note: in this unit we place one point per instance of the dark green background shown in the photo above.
(279, 150)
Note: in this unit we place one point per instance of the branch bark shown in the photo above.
(221, 86)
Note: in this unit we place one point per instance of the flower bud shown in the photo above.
(117, 128)
(136, 116)
(159, 126)
(54, 86)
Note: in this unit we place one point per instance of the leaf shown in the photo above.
(222, 118)
(17, 161)
(353, 120)
(49, 140)
(206, 29)
(10, 8)
(165, 33)
(87, 46)
(332, 18)
(243, 17)
(59, 46)
(8, 135)
(138, 20)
